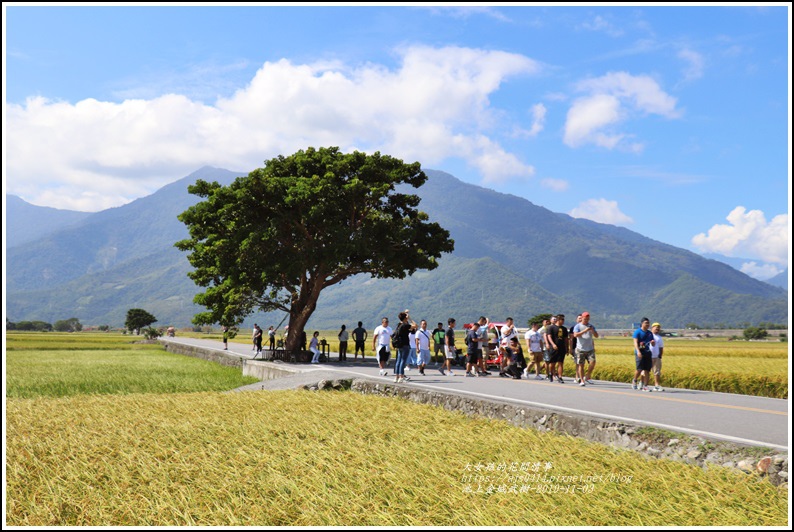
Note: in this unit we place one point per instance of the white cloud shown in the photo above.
(538, 119)
(602, 211)
(613, 99)
(695, 63)
(464, 12)
(588, 116)
(749, 235)
(434, 106)
(762, 272)
(557, 185)
(599, 23)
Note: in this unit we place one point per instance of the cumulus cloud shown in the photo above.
(611, 100)
(748, 234)
(602, 211)
(432, 107)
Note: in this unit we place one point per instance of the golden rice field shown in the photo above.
(715, 364)
(302, 458)
(162, 446)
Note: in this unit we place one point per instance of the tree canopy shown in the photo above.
(275, 239)
(70, 325)
(137, 319)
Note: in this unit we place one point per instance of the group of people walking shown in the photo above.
(548, 342)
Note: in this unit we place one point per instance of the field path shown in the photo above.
(742, 419)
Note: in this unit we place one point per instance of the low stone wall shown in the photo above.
(265, 371)
(221, 357)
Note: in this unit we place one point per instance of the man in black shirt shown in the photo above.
(359, 336)
(557, 340)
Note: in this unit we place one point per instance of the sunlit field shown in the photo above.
(340, 458)
(713, 364)
(142, 452)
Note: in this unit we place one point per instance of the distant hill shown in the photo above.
(503, 264)
(26, 222)
(109, 238)
(780, 280)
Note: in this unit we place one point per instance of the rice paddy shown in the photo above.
(38, 365)
(164, 457)
(339, 458)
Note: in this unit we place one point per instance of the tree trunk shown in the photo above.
(297, 323)
(302, 308)
(296, 326)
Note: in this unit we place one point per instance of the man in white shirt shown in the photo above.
(584, 333)
(508, 331)
(381, 344)
(422, 347)
(534, 340)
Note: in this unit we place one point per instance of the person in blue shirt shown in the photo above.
(643, 340)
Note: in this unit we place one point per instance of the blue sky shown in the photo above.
(673, 122)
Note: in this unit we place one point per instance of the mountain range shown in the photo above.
(511, 258)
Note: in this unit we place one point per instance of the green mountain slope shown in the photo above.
(504, 263)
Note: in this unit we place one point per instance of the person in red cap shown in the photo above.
(585, 334)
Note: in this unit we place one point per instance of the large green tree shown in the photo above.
(137, 319)
(275, 239)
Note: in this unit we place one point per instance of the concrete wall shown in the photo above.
(221, 357)
(265, 371)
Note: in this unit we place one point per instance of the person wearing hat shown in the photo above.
(657, 348)
(584, 333)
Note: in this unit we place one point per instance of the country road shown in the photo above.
(742, 419)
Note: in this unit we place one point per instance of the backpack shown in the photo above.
(395, 337)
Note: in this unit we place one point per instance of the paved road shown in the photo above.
(742, 419)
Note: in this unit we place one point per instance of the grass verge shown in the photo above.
(61, 373)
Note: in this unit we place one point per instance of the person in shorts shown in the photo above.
(381, 344)
(573, 343)
(473, 351)
(449, 346)
(438, 343)
(557, 340)
(422, 346)
(534, 341)
(584, 333)
(657, 348)
(643, 339)
(359, 337)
